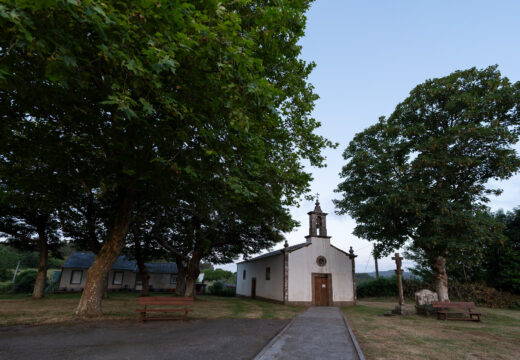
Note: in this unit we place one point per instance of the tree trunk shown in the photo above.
(192, 273)
(142, 268)
(145, 281)
(105, 291)
(39, 285)
(441, 278)
(180, 287)
(90, 302)
(139, 258)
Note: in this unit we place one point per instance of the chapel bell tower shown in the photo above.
(317, 222)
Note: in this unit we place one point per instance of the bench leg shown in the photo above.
(143, 317)
(477, 315)
(185, 316)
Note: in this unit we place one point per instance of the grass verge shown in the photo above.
(414, 336)
(20, 309)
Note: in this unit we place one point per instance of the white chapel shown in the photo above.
(311, 273)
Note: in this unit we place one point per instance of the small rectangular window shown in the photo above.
(173, 279)
(244, 275)
(268, 273)
(118, 278)
(75, 277)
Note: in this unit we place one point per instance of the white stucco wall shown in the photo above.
(66, 277)
(128, 280)
(302, 263)
(160, 281)
(269, 289)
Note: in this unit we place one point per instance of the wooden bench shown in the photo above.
(165, 304)
(444, 310)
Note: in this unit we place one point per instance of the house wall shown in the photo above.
(160, 281)
(66, 277)
(302, 263)
(128, 280)
(268, 289)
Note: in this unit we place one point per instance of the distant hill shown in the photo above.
(360, 277)
(390, 273)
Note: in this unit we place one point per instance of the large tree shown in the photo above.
(502, 261)
(422, 174)
(143, 95)
(30, 194)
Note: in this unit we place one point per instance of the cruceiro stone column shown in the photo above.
(399, 309)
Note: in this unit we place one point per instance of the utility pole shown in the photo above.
(375, 258)
(16, 271)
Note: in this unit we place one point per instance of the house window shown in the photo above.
(173, 279)
(244, 275)
(138, 280)
(75, 277)
(118, 278)
(268, 273)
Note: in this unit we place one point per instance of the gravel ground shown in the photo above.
(196, 339)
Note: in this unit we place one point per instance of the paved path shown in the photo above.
(318, 333)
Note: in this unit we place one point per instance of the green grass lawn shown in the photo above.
(380, 337)
(497, 336)
(20, 309)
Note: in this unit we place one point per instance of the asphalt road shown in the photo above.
(197, 339)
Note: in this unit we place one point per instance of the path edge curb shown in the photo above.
(274, 339)
(353, 338)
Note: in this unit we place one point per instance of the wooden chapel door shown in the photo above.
(253, 288)
(321, 290)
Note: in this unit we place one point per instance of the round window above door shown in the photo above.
(321, 261)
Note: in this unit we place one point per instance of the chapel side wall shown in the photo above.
(302, 263)
(269, 289)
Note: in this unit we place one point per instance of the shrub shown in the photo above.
(482, 295)
(6, 274)
(219, 289)
(378, 287)
(6, 287)
(25, 281)
(478, 293)
(217, 274)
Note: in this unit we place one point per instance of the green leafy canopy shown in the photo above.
(422, 174)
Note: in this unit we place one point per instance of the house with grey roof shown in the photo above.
(124, 274)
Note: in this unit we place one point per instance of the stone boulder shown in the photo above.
(425, 297)
(423, 301)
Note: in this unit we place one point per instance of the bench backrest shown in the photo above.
(454, 305)
(166, 300)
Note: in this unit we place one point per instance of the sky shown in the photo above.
(369, 55)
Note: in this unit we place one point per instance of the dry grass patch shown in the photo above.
(413, 336)
(22, 310)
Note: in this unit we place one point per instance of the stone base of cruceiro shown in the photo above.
(423, 301)
(402, 310)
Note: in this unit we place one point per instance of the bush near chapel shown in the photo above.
(219, 289)
(479, 293)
